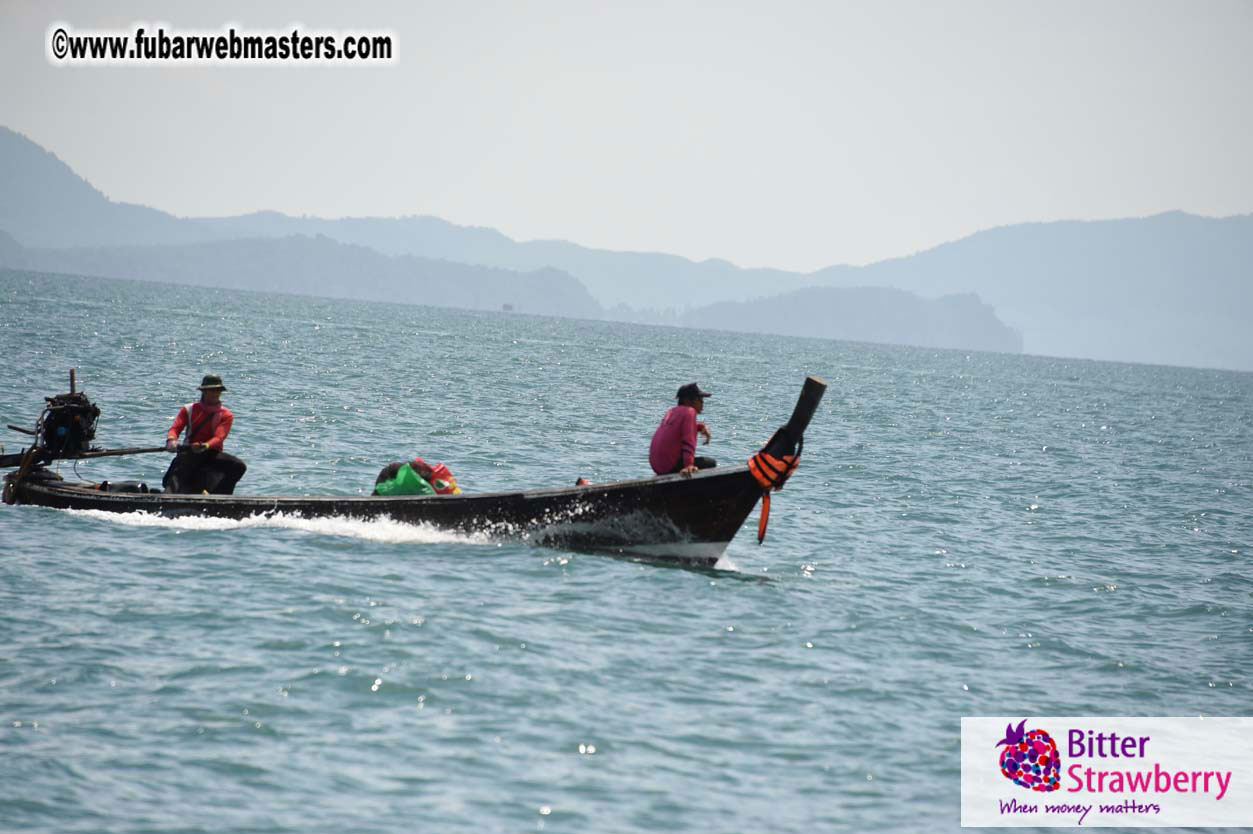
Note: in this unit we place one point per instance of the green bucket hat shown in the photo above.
(212, 381)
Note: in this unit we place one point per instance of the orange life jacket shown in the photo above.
(439, 476)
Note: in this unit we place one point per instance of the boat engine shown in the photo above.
(69, 424)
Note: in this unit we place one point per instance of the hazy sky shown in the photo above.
(795, 135)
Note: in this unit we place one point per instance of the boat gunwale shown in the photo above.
(87, 489)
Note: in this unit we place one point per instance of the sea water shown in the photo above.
(968, 534)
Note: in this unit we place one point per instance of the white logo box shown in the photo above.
(1114, 771)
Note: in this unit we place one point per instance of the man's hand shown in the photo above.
(199, 447)
(171, 445)
(703, 431)
(687, 471)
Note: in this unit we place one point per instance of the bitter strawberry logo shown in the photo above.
(1030, 758)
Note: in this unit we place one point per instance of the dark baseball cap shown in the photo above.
(691, 391)
(212, 381)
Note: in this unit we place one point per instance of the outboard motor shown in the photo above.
(69, 424)
(64, 429)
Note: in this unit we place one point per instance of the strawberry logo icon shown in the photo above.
(1030, 758)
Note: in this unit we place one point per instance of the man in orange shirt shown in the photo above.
(201, 466)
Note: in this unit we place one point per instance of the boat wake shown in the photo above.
(632, 527)
(383, 530)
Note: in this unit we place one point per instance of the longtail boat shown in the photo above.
(690, 520)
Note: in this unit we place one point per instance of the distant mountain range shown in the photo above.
(321, 266)
(1173, 289)
(866, 314)
(318, 266)
(1168, 289)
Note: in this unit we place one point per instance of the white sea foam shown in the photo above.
(383, 530)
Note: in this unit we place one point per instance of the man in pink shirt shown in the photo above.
(674, 443)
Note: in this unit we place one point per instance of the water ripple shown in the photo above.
(968, 534)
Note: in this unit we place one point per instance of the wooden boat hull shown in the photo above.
(671, 518)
